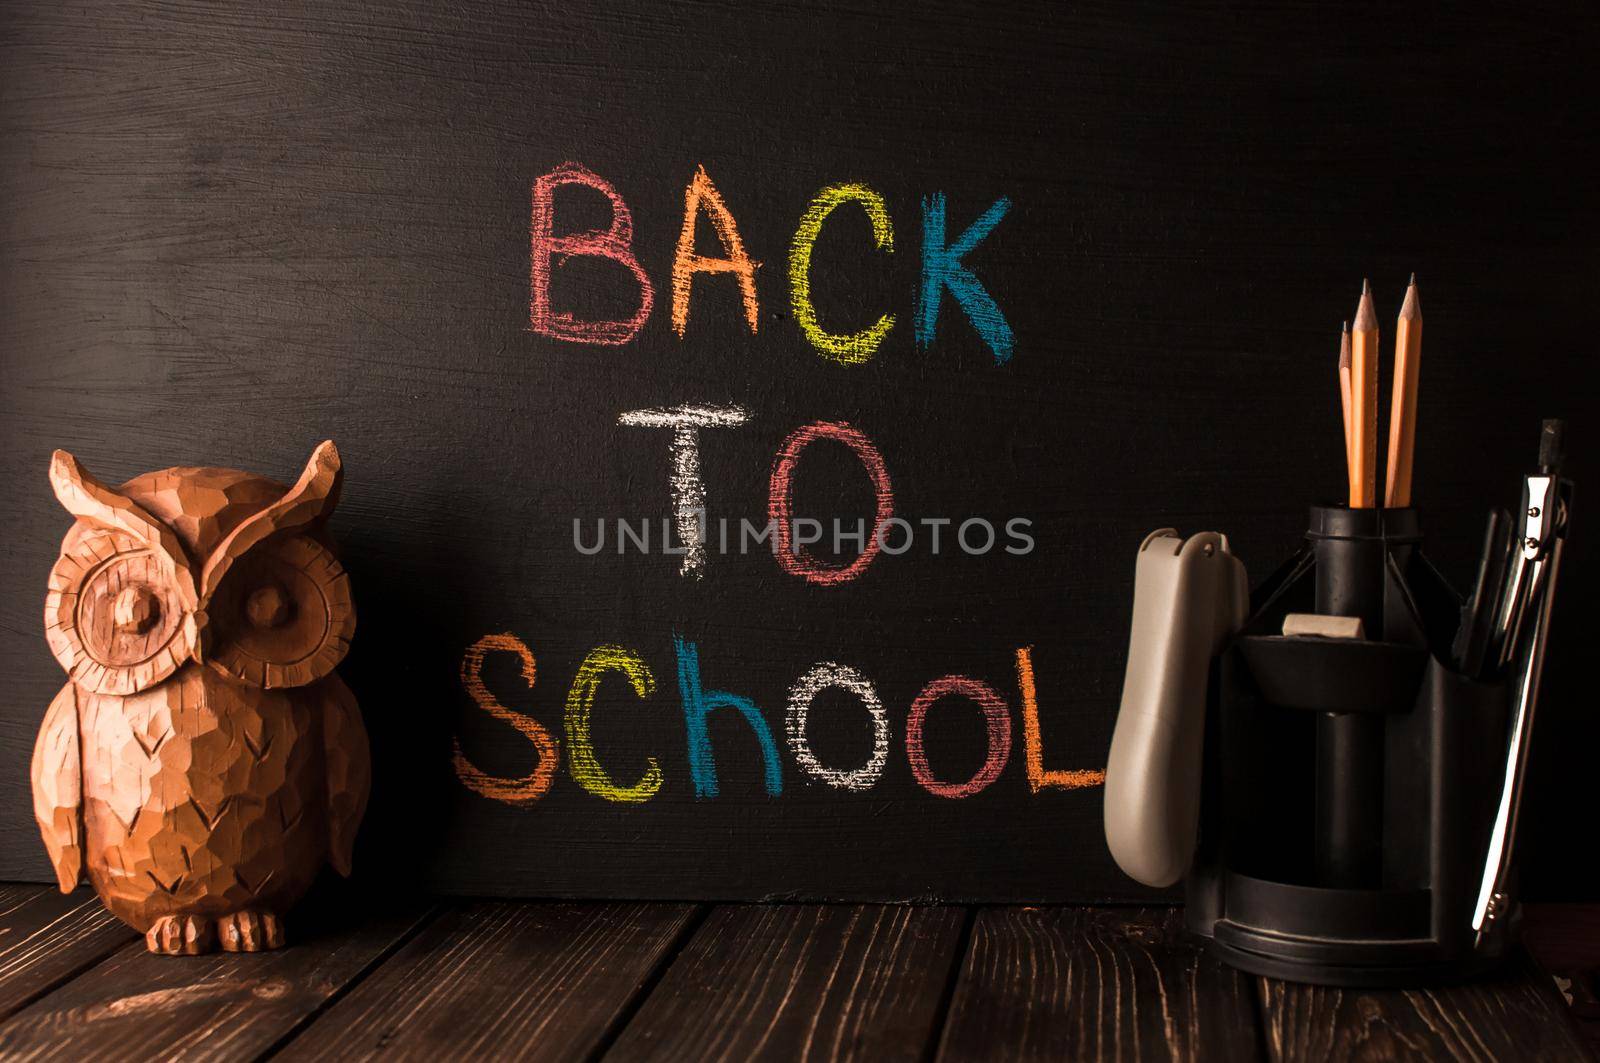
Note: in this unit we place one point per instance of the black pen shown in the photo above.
(1478, 612)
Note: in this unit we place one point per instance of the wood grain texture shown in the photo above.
(1086, 983)
(501, 981)
(232, 229)
(137, 1006)
(47, 938)
(1515, 1014)
(645, 981)
(791, 982)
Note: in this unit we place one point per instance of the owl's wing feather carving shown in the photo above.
(58, 788)
(349, 769)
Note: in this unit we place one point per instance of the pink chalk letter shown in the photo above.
(996, 716)
(615, 243)
(791, 554)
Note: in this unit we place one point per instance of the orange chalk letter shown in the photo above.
(529, 788)
(1038, 778)
(702, 194)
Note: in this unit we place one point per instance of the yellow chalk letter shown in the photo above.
(855, 347)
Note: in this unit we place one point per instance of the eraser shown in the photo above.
(1318, 626)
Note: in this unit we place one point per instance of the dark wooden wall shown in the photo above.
(229, 230)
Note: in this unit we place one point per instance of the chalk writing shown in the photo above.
(854, 347)
(688, 488)
(790, 554)
(942, 268)
(531, 787)
(801, 695)
(685, 263)
(581, 761)
(1033, 743)
(616, 244)
(698, 703)
(997, 722)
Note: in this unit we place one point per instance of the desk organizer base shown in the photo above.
(1349, 785)
(1384, 975)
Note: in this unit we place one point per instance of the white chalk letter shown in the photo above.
(688, 489)
(804, 691)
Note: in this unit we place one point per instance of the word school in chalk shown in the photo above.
(942, 265)
(698, 702)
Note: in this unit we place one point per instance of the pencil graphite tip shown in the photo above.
(1411, 309)
(1413, 279)
(1366, 317)
(1366, 286)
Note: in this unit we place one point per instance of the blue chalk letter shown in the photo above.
(942, 268)
(698, 704)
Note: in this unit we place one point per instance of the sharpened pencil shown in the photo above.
(1364, 404)
(1344, 389)
(1403, 402)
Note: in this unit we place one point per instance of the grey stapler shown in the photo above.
(1189, 596)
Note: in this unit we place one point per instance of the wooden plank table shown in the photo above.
(385, 978)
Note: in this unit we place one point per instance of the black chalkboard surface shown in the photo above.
(1067, 273)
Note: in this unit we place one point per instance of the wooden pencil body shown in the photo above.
(1344, 404)
(1403, 411)
(1363, 418)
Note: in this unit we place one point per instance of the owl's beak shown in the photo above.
(199, 635)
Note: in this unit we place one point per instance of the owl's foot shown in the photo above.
(250, 931)
(180, 935)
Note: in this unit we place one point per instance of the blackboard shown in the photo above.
(231, 230)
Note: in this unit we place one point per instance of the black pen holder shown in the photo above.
(1349, 784)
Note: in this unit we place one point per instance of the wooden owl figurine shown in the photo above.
(203, 758)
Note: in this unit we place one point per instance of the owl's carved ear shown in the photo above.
(305, 505)
(90, 500)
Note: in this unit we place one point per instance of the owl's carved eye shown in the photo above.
(268, 606)
(113, 617)
(283, 616)
(135, 609)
